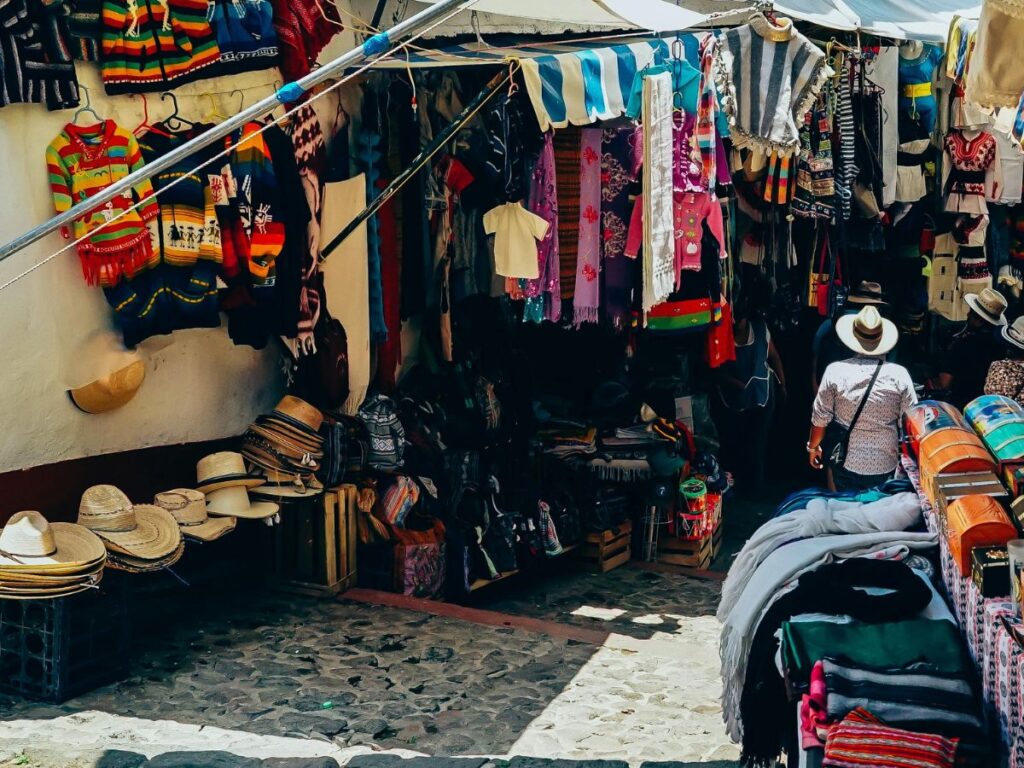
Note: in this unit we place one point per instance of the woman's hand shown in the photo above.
(814, 457)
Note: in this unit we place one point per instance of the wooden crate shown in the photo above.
(610, 549)
(697, 554)
(315, 545)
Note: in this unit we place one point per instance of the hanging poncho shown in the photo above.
(770, 76)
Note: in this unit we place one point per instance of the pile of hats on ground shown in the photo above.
(140, 538)
(39, 559)
(224, 482)
(286, 448)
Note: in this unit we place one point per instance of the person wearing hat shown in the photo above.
(962, 370)
(866, 396)
(827, 348)
(1006, 377)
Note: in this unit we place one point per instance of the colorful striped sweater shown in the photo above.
(154, 45)
(81, 162)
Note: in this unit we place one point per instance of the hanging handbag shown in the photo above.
(836, 444)
(332, 357)
(819, 281)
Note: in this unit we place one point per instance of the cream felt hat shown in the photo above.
(234, 501)
(224, 470)
(188, 508)
(867, 332)
(139, 530)
(30, 543)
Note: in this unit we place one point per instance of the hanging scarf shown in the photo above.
(616, 209)
(658, 240)
(543, 295)
(369, 157)
(567, 176)
(707, 106)
(587, 298)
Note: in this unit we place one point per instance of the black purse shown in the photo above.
(836, 444)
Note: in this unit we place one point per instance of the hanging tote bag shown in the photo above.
(836, 444)
(818, 278)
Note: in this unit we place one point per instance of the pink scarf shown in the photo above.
(587, 298)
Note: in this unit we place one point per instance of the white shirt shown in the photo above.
(874, 442)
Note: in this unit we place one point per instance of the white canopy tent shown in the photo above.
(652, 15)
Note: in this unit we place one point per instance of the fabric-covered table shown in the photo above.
(1000, 659)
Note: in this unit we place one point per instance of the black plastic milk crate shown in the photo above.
(53, 650)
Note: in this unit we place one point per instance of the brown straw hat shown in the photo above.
(30, 543)
(300, 414)
(223, 470)
(188, 508)
(990, 305)
(867, 332)
(140, 530)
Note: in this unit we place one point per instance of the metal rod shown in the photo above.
(375, 46)
(415, 165)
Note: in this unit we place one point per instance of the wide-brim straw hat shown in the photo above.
(225, 469)
(990, 305)
(300, 414)
(122, 562)
(283, 486)
(110, 392)
(235, 502)
(140, 530)
(41, 593)
(867, 332)
(29, 542)
(188, 507)
(1015, 333)
(286, 444)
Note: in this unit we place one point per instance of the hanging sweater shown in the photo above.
(245, 35)
(35, 55)
(83, 161)
(304, 27)
(155, 45)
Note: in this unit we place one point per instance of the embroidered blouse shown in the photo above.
(971, 172)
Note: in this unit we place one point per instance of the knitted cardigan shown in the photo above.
(177, 33)
(304, 27)
(35, 55)
(83, 161)
(245, 35)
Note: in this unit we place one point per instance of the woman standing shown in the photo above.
(1006, 377)
(749, 387)
(859, 405)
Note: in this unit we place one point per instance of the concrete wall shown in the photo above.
(199, 386)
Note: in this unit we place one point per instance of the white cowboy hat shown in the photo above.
(867, 332)
(233, 501)
(188, 507)
(990, 305)
(224, 470)
(29, 543)
(139, 530)
(1015, 333)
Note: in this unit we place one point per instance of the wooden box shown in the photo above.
(315, 544)
(697, 554)
(990, 569)
(949, 488)
(609, 549)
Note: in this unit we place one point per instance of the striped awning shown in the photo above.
(568, 83)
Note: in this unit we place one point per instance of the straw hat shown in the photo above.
(223, 470)
(123, 562)
(299, 414)
(990, 305)
(866, 293)
(867, 332)
(110, 392)
(233, 501)
(1015, 333)
(29, 541)
(141, 530)
(188, 508)
(103, 375)
(285, 486)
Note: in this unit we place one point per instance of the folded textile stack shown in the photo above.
(139, 538)
(39, 559)
(286, 447)
(862, 739)
(568, 441)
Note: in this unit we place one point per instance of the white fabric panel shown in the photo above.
(654, 15)
(883, 71)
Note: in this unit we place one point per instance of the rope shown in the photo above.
(274, 121)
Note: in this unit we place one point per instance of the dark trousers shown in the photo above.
(744, 439)
(846, 480)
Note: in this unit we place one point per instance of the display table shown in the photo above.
(985, 623)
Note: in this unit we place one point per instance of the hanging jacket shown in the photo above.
(245, 34)
(156, 45)
(35, 57)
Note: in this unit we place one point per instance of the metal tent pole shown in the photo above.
(376, 46)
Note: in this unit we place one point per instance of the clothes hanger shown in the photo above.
(145, 126)
(213, 116)
(87, 107)
(175, 116)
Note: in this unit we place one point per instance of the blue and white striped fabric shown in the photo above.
(568, 83)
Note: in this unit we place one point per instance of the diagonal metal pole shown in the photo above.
(374, 47)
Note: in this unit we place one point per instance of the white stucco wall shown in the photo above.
(198, 386)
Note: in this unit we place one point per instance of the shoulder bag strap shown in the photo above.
(867, 394)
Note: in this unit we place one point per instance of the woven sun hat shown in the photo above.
(30, 543)
(300, 414)
(188, 508)
(224, 470)
(867, 332)
(104, 374)
(1015, 333)
(866, 292)
(990, 305)
(140, 530)
(299, 434)
(234, 501)
(282, 485)
(122, 562)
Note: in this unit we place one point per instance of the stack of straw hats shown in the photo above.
(285, 446)
(39, 559)
(188, 508)
(139, 537)
(224, 481)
